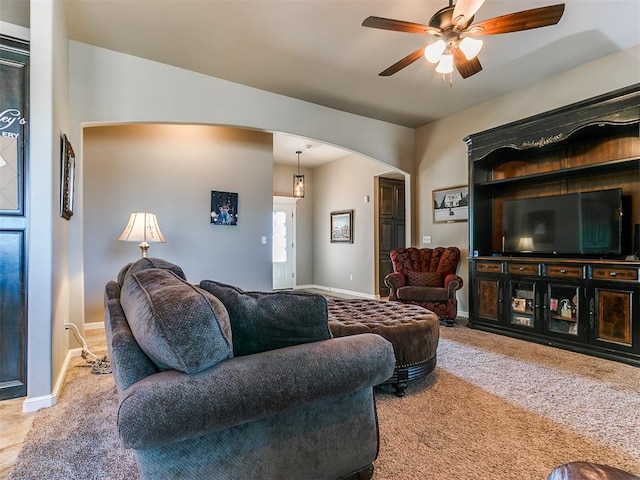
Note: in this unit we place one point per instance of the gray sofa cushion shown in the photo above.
(178, 325)
(148, 262)
(263, 321)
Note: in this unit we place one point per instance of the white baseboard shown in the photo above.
(94, 326)
(32, 404)
(339, 290)
(36, 403)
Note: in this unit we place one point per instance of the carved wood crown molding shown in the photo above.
(615, 109)
(543, 141)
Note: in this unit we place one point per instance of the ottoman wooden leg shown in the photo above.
(402, 376)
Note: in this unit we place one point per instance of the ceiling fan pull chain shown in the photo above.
(444, 79)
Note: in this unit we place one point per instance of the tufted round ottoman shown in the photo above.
(413, 331)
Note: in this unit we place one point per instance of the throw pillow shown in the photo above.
(148, 262)
(178, 325)
(262, 321)
(424, 279)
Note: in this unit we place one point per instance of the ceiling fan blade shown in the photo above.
(405, 62)
(399, 25)
(515, 22)
(464, 66)
(464, 10)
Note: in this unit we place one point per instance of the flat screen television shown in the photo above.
(577, 224)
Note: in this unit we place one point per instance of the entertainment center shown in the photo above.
(554, 201)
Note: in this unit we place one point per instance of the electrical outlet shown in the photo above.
(426, 239)
(351, 278)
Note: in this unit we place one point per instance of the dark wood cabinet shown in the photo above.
(562, 304)
(488, 285)
(14, 222)
(584, 303)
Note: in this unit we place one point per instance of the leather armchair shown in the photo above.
(426, 277)
(589, 471)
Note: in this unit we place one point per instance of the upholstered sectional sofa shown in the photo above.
(218, 383)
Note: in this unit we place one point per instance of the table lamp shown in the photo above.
(142, 227)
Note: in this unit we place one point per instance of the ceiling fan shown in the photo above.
(455, 33)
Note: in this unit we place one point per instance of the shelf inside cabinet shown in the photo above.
(573, 172)
(564, 319)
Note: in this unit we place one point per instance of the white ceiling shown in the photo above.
(317, 50)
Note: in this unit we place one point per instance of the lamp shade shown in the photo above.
(298, 186)
(434, 51)
(470, 47)
(142, 227)
(525, 244)
(446, 64)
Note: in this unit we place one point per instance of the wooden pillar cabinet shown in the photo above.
(583, 299)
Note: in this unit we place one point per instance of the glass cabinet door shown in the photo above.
(563, 309)
(524, 303)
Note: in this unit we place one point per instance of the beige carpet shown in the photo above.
(501, 408)
(495, 408)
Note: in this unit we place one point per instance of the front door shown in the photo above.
(283, 246)
(14, 101)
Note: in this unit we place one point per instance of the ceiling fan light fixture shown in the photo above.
(446, 64)
(434, 51)
(453, 25)
(470, 47)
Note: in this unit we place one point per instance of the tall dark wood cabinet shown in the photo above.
(14, 141)
(583, 302)
(391, 225)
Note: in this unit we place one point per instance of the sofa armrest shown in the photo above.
(171, 406)
(394, 281)
(453, 282)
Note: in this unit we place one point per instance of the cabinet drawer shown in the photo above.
(523, 269)
(489, 267)
(565, 271)
(615, 273)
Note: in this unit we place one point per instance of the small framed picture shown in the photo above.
(451, 205)
(519, 305)
(524, 321)
(67, 178)
(224, 208)
(342, 226)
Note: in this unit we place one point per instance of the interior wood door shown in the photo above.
(14, 90)
(391, 226)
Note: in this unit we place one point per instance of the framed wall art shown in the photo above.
(67, 178)
(451, 204)
(224, 208)
(342, 226)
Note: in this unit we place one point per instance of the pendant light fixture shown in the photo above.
(298, 181)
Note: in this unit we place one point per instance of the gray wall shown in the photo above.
(342, 185)
(170, 170)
